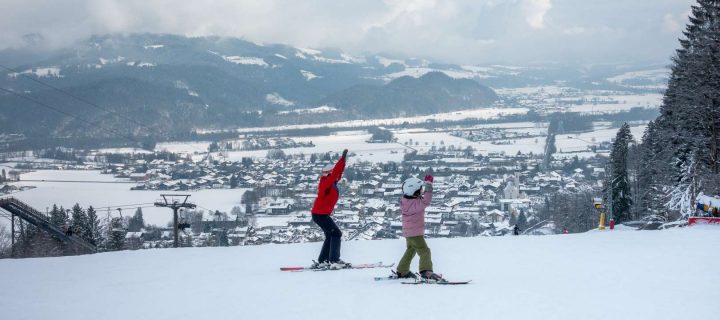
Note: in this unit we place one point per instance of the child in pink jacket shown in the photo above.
(413, 204)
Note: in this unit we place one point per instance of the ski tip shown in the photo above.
(291, 269)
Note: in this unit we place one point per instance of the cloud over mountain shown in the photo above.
(460, 31)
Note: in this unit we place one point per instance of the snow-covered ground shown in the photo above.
(183, 147)
(124, 150)
(423, 140)
(479, 113)
(653, 75)
(624, 103)
(615, 275)
(578, 144)
(355, 141)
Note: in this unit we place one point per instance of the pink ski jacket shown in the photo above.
(413, 215)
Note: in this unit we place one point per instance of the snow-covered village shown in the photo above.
(479, 192)
(360, 160)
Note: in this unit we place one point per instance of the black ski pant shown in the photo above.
(330, 251)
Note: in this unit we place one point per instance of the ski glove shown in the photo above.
(428, 186)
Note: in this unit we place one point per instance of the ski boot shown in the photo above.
(320, 265)
(337, 265)
(407, 275)
(430, 276)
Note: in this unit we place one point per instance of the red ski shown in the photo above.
(444, 282)
(354, 266)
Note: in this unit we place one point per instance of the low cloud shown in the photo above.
(535, 11)
(458, 31)
(670, 23)
(574, 31)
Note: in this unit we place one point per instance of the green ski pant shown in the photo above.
(419, 246)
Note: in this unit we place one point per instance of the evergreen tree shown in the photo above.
(571, 210)
(619, 180)
(513, 219)
(250, 197)
(94, 234)
(522, 220)
(681, 150)
(649, 179)
(79, 221)
(234, 181)
(137, 222)
(58, 216)
(116, 235)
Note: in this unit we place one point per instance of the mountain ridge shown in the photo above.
(179, 83)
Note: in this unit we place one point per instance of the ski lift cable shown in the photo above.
(201, 207)
(94, 105)
(124, 205)
(72, 95)
(47, 106)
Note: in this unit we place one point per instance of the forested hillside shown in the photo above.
(679, 155)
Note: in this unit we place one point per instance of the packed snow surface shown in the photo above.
(669, 274)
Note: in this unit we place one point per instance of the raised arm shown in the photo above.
(427, 197)
(339, 168)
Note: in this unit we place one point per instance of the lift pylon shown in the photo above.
(175, 202)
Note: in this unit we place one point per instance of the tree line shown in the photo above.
(106, 235)
(678, 157)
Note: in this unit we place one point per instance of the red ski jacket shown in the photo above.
(328, 192)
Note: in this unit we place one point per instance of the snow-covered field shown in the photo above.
(124, 150)
(569, 143)
(615, 275)
(423, 140)
(653, 75)
(355, 141)
(183, 147)
(624, 103)
(479, 113)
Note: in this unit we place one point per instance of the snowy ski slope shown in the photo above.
(670, 274)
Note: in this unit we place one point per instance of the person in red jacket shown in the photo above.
(322, 209)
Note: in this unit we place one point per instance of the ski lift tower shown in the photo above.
(175, 202)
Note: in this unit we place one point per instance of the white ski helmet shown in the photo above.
(412, 185)
(327, 169)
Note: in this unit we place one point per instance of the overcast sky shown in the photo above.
(458, 31)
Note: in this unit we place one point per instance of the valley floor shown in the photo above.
(671, 274)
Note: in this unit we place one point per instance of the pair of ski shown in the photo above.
(353, 266)
(420, 280)
(377, 265)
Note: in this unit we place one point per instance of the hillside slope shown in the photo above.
(433, 92)
(176, 83)
(610, 275)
